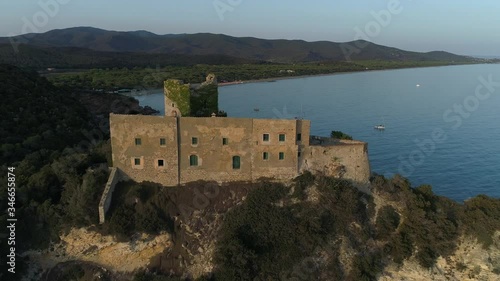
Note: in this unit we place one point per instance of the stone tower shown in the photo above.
(198, 100)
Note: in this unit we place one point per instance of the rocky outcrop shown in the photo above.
(199, 214)
(86, 245)
(470, 262)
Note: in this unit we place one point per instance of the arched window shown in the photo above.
(236, 162)
(193, 160)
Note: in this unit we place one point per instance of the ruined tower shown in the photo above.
(196, 100)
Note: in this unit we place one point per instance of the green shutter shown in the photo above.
(236, 162)
(193, 160)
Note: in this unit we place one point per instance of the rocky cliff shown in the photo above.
(430, 239)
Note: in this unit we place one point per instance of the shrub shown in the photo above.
(263, 240)
(366, 266)
(340, 135)
(122, 221)
(399, 247)
(482, 218)
(387, 221)
(461, 266)
(301, 183)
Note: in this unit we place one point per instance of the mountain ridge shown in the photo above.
(271, 50)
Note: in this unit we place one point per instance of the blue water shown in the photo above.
(459, 156)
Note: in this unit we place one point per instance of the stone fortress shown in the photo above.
(191, 142)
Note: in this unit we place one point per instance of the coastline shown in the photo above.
(273, 79)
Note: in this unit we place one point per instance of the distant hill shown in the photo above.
(281, 51)
(37, 57)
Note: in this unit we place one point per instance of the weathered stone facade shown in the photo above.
(138, 149)
(339, 158)
(176, 149)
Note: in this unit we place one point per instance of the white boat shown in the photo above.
(379, 127)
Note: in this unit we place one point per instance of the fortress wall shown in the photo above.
(348, 160)
(215, 160)
(113, 179)
(304, 129)
(273, 167)
(126, 128)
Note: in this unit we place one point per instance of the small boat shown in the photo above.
(256, 109)
(379, 127)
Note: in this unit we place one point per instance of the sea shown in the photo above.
(442, 124)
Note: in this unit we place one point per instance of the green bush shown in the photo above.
(301, 183)
(138, 208)
(399, 247)
(387, 221)
(150, 220)
(265, 240)
(366, 266)
(482, 218)
(122, 221)
(340, 135)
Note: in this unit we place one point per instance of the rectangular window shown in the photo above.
(265, 155)
(137, 161)
(163, 141)
(236, 162)
(265, 137)
(282, 137)
(194, 141)
(282, 155)
(138, 141)
(161, 163)
(298, 154)
(225, 141)
(299, 137)
(193, 160)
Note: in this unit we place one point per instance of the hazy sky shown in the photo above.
(460, 26)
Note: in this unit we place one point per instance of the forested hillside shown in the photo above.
(59, 155)
(39, 58)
